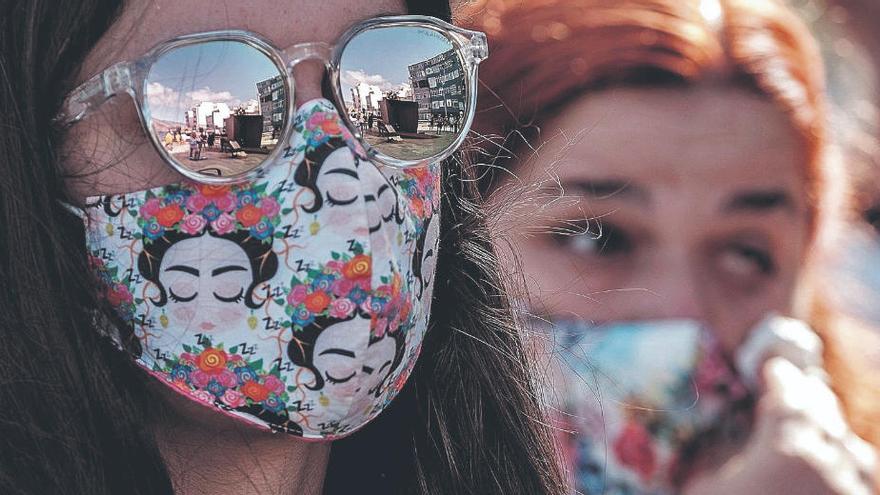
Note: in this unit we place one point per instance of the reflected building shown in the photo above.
(438, 85)
(272, 107)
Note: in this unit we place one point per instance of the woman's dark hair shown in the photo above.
(301, 349)
(307, 173)
(264, 261)
(74, 416)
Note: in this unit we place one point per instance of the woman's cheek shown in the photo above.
(232, 312)
(184, 313)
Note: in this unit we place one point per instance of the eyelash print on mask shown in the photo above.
(234, 299)
(181, 299)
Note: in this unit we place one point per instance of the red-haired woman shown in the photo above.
(688, 139)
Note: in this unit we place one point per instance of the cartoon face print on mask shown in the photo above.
(288, 301)
(335, 179)
(207, 281)
(343, 372)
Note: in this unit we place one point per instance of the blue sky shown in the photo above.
(387, 52)
(226, 71)
(220, 71)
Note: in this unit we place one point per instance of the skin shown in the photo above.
(700, 218)
(699, 197)
(204, 451)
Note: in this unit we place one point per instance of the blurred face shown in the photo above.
(678, 203)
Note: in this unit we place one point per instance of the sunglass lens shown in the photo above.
(217, 108)
(405, 88)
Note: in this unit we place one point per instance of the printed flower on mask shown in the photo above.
(213, 374)
(212, 361)
(255, 391)
(150, 208)
(169, 215)
(224, 224)
(317, 302)
(233, 398)
(262, 230)
(342, 308)
(634, 448)
(297, 295)
(192, 208)
(357, 268)
(213, 191)
(193, 224)
(197, 202)
(248, 215)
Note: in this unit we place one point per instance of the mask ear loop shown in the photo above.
(72, 209)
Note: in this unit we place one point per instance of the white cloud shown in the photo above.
(205, 94)
(355, 77)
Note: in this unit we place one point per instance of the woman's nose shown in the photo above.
(673, 290)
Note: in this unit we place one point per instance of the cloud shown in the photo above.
(355, 77)
(161, 96)
(205, 94)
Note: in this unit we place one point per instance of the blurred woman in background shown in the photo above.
(687, 138)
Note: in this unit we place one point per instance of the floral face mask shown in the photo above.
(297, 301)
(635, 397)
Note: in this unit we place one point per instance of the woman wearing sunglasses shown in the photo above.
(309, 306)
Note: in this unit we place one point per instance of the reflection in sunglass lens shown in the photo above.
(404, 87)
(217, 107)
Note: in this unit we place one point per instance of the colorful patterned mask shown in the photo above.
(635, 395)
(297, 301)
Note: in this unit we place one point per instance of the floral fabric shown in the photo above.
(298, 301)
(635, 396)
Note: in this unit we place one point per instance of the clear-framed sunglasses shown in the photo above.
(218, 106)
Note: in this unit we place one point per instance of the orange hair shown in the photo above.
(545, 53)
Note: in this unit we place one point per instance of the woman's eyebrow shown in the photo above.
(228, 268)
(606, 189)
(341, 352)
(758, 201)
(184, 269)
(343, 171)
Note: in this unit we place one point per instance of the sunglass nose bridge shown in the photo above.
(301, 52)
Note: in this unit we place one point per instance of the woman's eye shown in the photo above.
(585, 239)
(235, 298)
(744, 260)
(181, 298)
(872, 217)
(334, 380)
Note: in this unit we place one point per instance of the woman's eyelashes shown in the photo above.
(232, 299)
(332, 379)
(586, 238)
(339, 202)
(181, 299)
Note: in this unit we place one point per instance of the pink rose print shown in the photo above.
(199, 378)
(223, 224)
(196, 203)
(269, 207)
(193, 224)
(233, 398)
(225, 203)
(297, 295)
(203, 395)
(273, 383)
(150, 208)
(341, 308)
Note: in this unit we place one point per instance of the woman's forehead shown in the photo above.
(145, 23)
